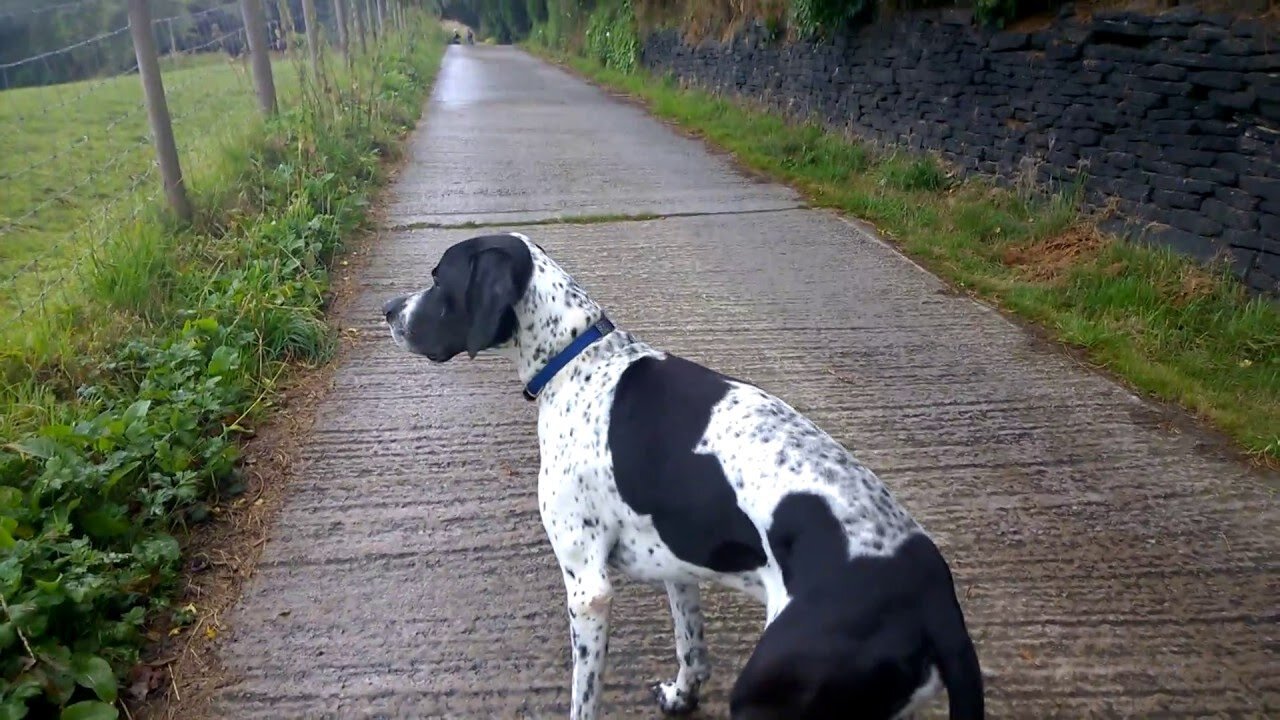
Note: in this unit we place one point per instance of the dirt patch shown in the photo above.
(181, 670)
(709, 19)
(1051, 258)
(1195, 284)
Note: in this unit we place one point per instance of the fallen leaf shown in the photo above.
(143, 679)
(211, 632)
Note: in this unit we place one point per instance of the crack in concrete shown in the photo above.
(587, 219)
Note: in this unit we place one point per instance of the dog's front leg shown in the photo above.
(589, 596)
(680, 696)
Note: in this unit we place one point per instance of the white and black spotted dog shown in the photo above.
(669, 472)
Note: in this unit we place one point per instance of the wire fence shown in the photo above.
(90, 156)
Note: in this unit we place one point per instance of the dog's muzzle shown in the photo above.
(393, 311)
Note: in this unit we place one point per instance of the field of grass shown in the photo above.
(1172, 329)
(123, 406)
(78, 158)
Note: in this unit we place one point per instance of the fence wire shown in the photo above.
(45, 10)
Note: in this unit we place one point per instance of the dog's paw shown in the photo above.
(673, 700)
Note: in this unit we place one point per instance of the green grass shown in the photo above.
(124, 403)
(79, 159)
(1180, 332)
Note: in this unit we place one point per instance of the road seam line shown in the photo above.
(586, 219)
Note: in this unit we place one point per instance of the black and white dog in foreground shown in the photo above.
(669, 472)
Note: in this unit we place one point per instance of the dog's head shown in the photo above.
(470, 305)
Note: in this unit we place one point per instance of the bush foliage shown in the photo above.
(557, 23)
(612, 39)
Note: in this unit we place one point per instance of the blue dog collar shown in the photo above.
(602, 328)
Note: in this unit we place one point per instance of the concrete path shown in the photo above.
(1110, 566)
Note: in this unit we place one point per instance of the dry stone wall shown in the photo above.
(1175, 118)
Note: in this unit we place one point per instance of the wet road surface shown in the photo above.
(1109, 566)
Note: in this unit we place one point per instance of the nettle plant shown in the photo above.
(612, 38)
(816, 16)
(83, 507)
(813, 16)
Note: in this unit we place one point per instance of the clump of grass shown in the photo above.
(1179, 331)
(124, 402)
(911, 174)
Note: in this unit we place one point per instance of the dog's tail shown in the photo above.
(957, 661)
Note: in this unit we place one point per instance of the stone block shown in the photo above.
(1181, 240)
(1217, 79)
(1215, 175)
(1200, 60)
(1182, 184)
(1176, 200)
(1189, 157)
(1236, 198)
(1268, 189)
(1270, 225)
(1237, 101)
(1194, 222)
(1008, 41)
(1227, 216)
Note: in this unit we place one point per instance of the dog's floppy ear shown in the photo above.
(491, 293)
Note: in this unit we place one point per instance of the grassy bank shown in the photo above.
(91, 138)
(1172, 329)
(125, 401)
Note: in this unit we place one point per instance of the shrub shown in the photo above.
(812, 16)
(612, 38)
(994, 12)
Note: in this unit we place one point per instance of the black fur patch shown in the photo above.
(660, 412)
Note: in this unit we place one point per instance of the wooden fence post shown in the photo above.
(173, 39)
(285, 26)
(340, 19)
(255, 28)
(144, 47)
(357, 14)
(313, 34)
(371, 18)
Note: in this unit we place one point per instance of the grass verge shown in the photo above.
(82, 150)
(123, 418)
(1176, 330)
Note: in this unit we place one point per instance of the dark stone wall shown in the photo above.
(1175, 118)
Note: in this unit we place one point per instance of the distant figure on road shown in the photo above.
(471, 37)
